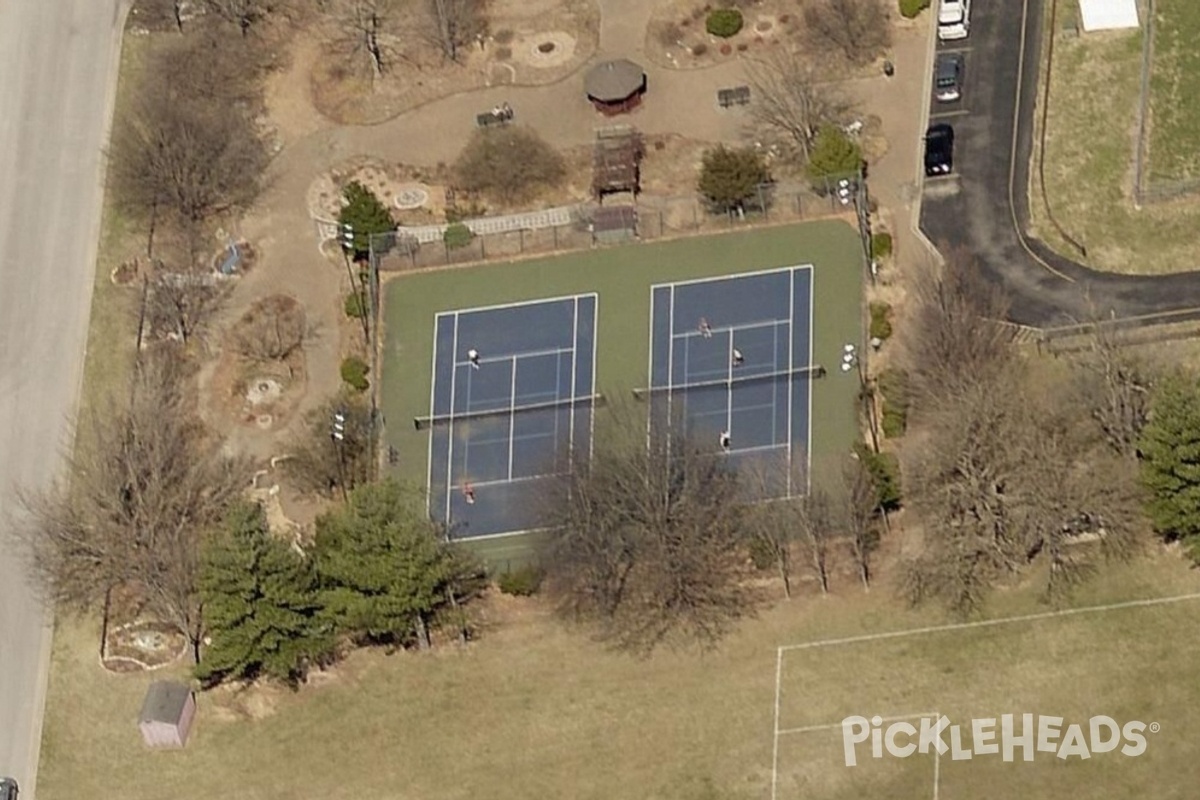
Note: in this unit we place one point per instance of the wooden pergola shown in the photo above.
(616, 161)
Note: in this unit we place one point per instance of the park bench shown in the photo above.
(737, 96)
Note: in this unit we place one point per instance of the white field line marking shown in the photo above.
(986, 623)
(775, 745)
(835, 725)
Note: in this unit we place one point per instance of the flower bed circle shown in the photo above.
(411, 197)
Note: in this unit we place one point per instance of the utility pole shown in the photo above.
(338, 435)
(348, 247)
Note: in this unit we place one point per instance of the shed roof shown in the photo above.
(164, 702)
(611, 81)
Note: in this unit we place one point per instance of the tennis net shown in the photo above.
(814, 371)
(424, 423)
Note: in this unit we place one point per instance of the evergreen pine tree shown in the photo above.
(385, 573)
(261, 605)
(365, 215)
(1170, 448)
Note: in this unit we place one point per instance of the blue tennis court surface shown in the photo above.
(732, 358)
(511, 403)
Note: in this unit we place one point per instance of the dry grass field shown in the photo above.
(534, 709)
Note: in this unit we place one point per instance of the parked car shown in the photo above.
(948, 77)
(954, 19)
(939, 149)
(8, 789)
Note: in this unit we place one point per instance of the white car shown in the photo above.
(954, 19)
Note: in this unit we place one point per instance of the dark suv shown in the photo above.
(8, 789)
(939, 149)
(948, 77)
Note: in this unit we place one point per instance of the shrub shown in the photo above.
(762, 555)
(699, 49)
(881, 244)
(884, 469)
(730, 177)
(669, 34)
(743, 46)
(726, 49)
(723, 22)
(893, 387)
(522, 582)
(508, 162)
(881, 321)
(457, 235)
(834, 155)
(354, 372)
(354, 306)
(503, 36)
(910, 8)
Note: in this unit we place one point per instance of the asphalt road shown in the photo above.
(984, 206)
(58, 63)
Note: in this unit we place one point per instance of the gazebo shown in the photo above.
(615, 87)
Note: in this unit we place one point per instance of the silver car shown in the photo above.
(948, 77)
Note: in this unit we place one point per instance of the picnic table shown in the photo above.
(736, 96)
(500, 115)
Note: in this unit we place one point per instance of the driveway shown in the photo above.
(983, 208)
(58, 59)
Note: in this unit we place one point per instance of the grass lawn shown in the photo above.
(1091, 134)
(622, 277)
(1174, 86)
(112, 327)
(532, 709)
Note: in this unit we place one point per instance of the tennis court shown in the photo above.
(731, 357)
(512, 400)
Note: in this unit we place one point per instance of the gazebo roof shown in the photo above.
(613, 81)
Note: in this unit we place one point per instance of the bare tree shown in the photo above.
(212, 69)
(245, 14)
(648, 540)
(273, 329)
(794, 97)
(369, 32)
(144, 484)
(1114, 386)
(861, 512)
(1010, 477)
(859, 29)
(453, 24)
(181, 305)
(184, 160)
(318, 463)
(954, 337)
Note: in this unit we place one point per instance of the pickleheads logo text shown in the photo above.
(1027, 734)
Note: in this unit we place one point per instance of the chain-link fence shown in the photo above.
(656, 217)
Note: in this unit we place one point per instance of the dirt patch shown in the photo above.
(347, 94)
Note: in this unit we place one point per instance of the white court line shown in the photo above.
(766, 323)
(512, 413)
(734, 275)
(518, 304)
(812, 293)
(592, 389)
(835, 725)
(571, 423)
(432, 386)
(762, 448)
(987, 623)
(550, 351)
(450, 430)
(791, 365)
(671, 356)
